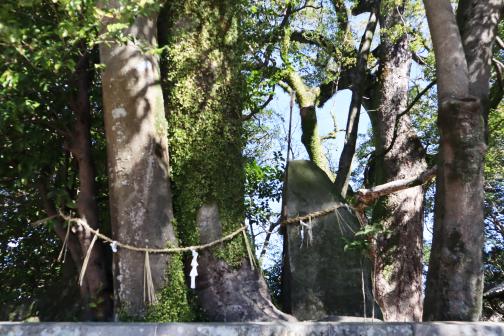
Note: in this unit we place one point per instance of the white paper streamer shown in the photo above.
(194, 270)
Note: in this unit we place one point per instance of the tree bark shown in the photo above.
(136, 133)
(97, 278)
(451, 64)
(204, 98)
(455, 279)
(399, 155)
(478, 21)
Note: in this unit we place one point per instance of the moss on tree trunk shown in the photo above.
(204, 97)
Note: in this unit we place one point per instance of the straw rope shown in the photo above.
(97, 234)
(64, 248)
(149, 292)
(86, 259)
(86, 226)
(315, 214)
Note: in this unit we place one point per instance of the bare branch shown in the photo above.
(499, 42)
(494, 292)
(403, 113)
(272, 227)
(334, 133)
(368, 196)
(346, 158)
(418, 59)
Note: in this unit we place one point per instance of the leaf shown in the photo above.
(101, 13)
(115, 27)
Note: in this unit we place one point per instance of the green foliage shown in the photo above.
(263, 189)
(34, 284)
(44, 41)
(494, 212)
(221, 58)
(273, 276)
(363, 239)
(494, 160)
(173, 304)
(424, 116)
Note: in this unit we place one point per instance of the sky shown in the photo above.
(339, 105)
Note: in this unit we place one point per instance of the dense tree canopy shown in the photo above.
(171, 124)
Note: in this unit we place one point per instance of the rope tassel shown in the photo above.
(249, 251)
(308, 228)
(149, 293)
(64, 248)
(86, 259)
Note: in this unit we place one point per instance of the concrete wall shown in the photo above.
(249, 329)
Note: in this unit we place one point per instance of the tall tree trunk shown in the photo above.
(97, 278)
(204, 99)
(398, 271)
(96, 289)
(455, 278)
(136, 133)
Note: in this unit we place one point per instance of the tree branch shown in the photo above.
(499, 42)
(494, 292)
(304, 6)
(313, 38)
(403, 113)
(259, 108)
(342, 82)
(346, 158)
(367, 196)
(418, 59)
(342, 13)
(362, 7)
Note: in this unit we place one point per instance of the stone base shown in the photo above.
(249, 329)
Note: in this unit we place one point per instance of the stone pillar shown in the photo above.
(320, 278)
